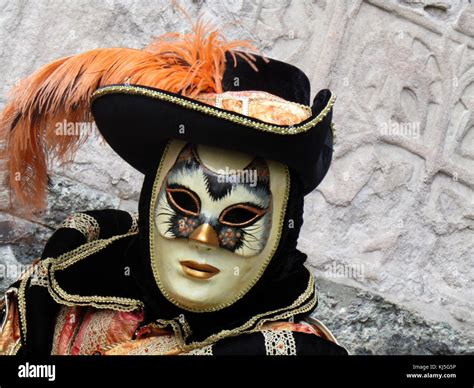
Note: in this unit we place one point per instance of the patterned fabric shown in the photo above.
(39, 273)
(10, 328)
(91, 331)
(259, 105)
(204, 351)
(134, 226)
(301, 327)
(88, 331)
(279, 343)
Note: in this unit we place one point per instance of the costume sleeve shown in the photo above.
(74, 231)
(80, 228)
(10, 323)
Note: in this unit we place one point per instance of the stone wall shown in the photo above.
(389, 233)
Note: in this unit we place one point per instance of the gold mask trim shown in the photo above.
(215, 112)
(151, 222)
(299, 306)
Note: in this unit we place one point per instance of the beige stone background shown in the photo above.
(389, 233)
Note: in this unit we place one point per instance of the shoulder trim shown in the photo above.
(70, 258)
(84, 223)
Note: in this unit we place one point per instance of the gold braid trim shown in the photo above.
(205, 351)
(69, 258)
(299, 306)
(134, 226)
(22, 306)
(39, 274)
(21, 293)
(215, 112)
(50, 265)
(16, 348)
(84, 223)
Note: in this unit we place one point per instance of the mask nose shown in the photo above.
(205, 234)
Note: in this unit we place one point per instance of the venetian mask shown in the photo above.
(216, 219)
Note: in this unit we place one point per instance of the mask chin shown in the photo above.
(216, 219)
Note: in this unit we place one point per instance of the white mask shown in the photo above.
(216, 220)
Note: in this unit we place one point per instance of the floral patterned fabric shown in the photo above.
(259, 105)
(89, 331)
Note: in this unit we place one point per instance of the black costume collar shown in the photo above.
(285, 290)
(115, 273)
(95, 277)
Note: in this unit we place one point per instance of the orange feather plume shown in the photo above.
(187, 64)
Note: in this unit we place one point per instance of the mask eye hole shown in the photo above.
(241, 215)
(184, 200)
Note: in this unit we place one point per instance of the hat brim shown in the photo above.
(138, 121)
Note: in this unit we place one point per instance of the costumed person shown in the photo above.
(229, 146)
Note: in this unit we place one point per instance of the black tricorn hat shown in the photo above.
(137, 121)
(138, 99)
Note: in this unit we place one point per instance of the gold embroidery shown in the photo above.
(155, 346)
(303, 304)
(39, 275)
(259, 105)
(151, 223)
(22, 306)
(24, 279)
(204, 351)
(5, 305)
(134, 226)
(212, 111)
(69, 258)
(288, 314)
(84, 223)
(58, 328)
(95, 334)
(279, 343)
(10, 331)
(124, 304)
(16, 348)
(185, 325)
(75, 331)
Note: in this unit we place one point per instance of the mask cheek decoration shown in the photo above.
(244, 227)
(213, 232)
